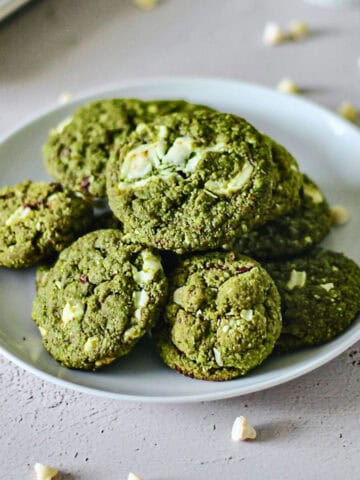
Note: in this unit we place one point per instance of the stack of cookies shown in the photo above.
(209, 241)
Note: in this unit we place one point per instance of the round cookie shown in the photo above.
(38, 219)
(190, 182)
(98, 300)
(293, 233)
(320, 295)
(223, 315)
(77, 151)
(287, 183)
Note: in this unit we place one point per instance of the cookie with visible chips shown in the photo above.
(98, 299)
(320, 296)
(38, 219)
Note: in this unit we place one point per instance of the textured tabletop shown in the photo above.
(308, 428)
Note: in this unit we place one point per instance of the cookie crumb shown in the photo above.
(44, 472)
(132, 476)
(64, 98)
(273, 35)
(146, 4)
(348, 111)
(298, 30)
(242, 430)
(286, 85)
(340, 215)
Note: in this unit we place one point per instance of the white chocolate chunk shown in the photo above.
(297, 279)
(242, 430)
(298, 30)
(151, 264)
(273, 34)
(179, 152)
(146, 4)
(327, 286)
(348, 111)
(218, 358)
(63, 124)
(20, 214)
(137, 163)
(132, 476)
(286, 85)
(72, 312)
(104, 361)
(44, 472)
(225, 328)
(64, 98)
(340, 215)
(141, 299)
(314, 193)
(43, 331)
(177, 296)
(233, 185)
(247, 314)
(91, 344)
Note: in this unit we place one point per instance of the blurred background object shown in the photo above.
(334, 3)
(7, 7)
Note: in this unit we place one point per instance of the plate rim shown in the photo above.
(86, 95)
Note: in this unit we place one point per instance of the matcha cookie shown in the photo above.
(98, 299)
(287, 182)
(223, 316)
(320, 295)
(293, 233)
(38, 219)
(191, 182)
(77, 151)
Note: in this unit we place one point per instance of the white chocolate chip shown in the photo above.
(225, 328)
(348, 111)
(286, 85)
(273, 35)
(146, 4)
(177, 296)
(43, 331)
(247, 314)
(64, 98)
(72, 312)
(227, 187)
(340, 215)
(104, 361)
(298, 30)
(327, 286)
(91, 344)
(132, 476)
(314, 193)
(141, 298)
(297, 279)
(20, 214)
(218, 358)
(44, 472)
(242, 430)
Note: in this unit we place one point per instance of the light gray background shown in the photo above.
(308, 428)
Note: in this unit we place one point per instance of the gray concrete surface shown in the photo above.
(308, 428)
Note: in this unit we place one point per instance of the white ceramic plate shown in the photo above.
(326, 147)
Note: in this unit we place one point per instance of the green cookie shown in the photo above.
(38, 219)
(223, 316)
(293, 233)
(190, 182)
(320, 295)
(98, 300)
(77, 151)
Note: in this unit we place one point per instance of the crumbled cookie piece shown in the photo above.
(242, 430)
